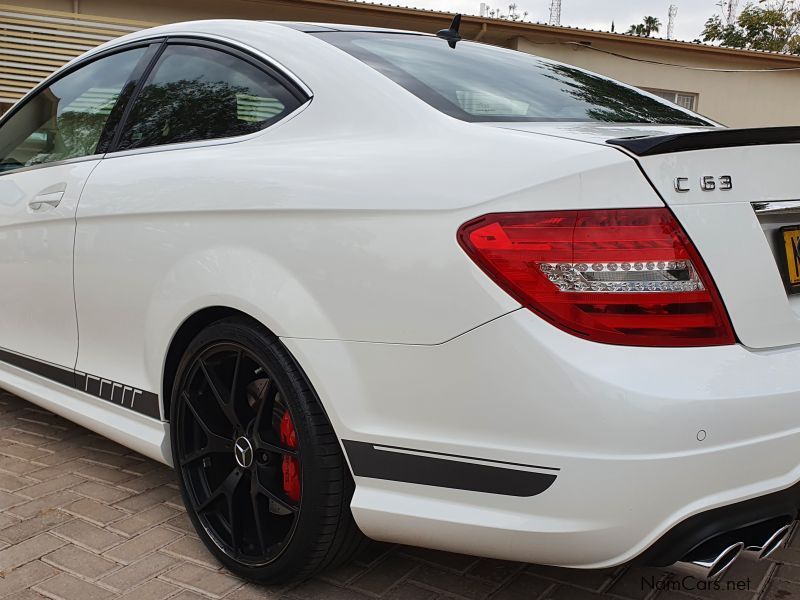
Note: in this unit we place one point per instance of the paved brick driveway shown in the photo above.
(82, 518)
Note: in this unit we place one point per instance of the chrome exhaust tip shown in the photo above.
(775, 541)
(710, 567)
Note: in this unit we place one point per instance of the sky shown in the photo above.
(594, 14)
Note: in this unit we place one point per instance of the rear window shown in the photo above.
(476, 82)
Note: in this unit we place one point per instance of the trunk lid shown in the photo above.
(733, 191)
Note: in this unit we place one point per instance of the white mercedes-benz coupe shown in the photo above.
(354, 280)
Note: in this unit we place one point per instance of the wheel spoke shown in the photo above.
(235, 380)
(215, 443)
(262, 444)
(237, 499)
(269, 390)
(278, 499)
(257, 513)
(227, 408)
(226, 488)
(234, 520)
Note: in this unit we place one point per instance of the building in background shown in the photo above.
(739, 88)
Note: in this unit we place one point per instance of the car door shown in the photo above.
(49, 145)
(143, 218)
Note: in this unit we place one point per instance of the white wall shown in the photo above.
(735, 99)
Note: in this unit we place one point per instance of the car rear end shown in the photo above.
(697, 437)
(651, 368)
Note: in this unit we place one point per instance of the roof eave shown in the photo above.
(521, 27)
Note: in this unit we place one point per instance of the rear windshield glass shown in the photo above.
(476, 82)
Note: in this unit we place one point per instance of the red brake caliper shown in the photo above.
(291, 465)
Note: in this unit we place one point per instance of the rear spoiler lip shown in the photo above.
(707, 140)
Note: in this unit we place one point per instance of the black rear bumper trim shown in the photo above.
(447, 471)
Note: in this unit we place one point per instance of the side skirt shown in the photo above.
(128, 427)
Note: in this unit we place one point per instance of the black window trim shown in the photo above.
(68, 70)
(140, 73)
(269, 67)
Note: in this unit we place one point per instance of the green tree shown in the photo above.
(772, 25)
(647, 27)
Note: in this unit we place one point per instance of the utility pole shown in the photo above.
(729, 11)
(555, 12)
(673, 12)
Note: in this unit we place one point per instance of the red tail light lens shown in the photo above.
(629, 277)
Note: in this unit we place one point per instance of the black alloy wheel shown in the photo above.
(261, 472)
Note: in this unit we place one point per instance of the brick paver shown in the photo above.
(83, 518)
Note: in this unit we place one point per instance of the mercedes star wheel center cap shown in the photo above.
(243, 452)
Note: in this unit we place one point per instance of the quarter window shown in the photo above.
(196, 93)
(66, 120)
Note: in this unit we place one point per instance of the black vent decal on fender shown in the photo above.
(118, 393)
(447, 470)
(127, 396)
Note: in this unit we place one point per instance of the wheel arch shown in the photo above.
(184, 334)
(189, 329)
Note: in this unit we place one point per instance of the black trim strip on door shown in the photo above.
(446, 470)
(708, 140)
(127, 396)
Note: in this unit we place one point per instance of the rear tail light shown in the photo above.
(629, 277)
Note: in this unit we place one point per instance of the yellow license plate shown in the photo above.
(791, 240)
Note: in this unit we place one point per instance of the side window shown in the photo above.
(66, 119)
(197, 93)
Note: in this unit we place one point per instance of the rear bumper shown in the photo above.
(639, 439)
(738, 522)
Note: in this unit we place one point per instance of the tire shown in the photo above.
(262, 474)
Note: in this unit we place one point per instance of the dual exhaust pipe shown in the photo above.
(712, 558)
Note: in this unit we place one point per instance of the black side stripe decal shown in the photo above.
(436, 469)
(46, 370)
(127, 396)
